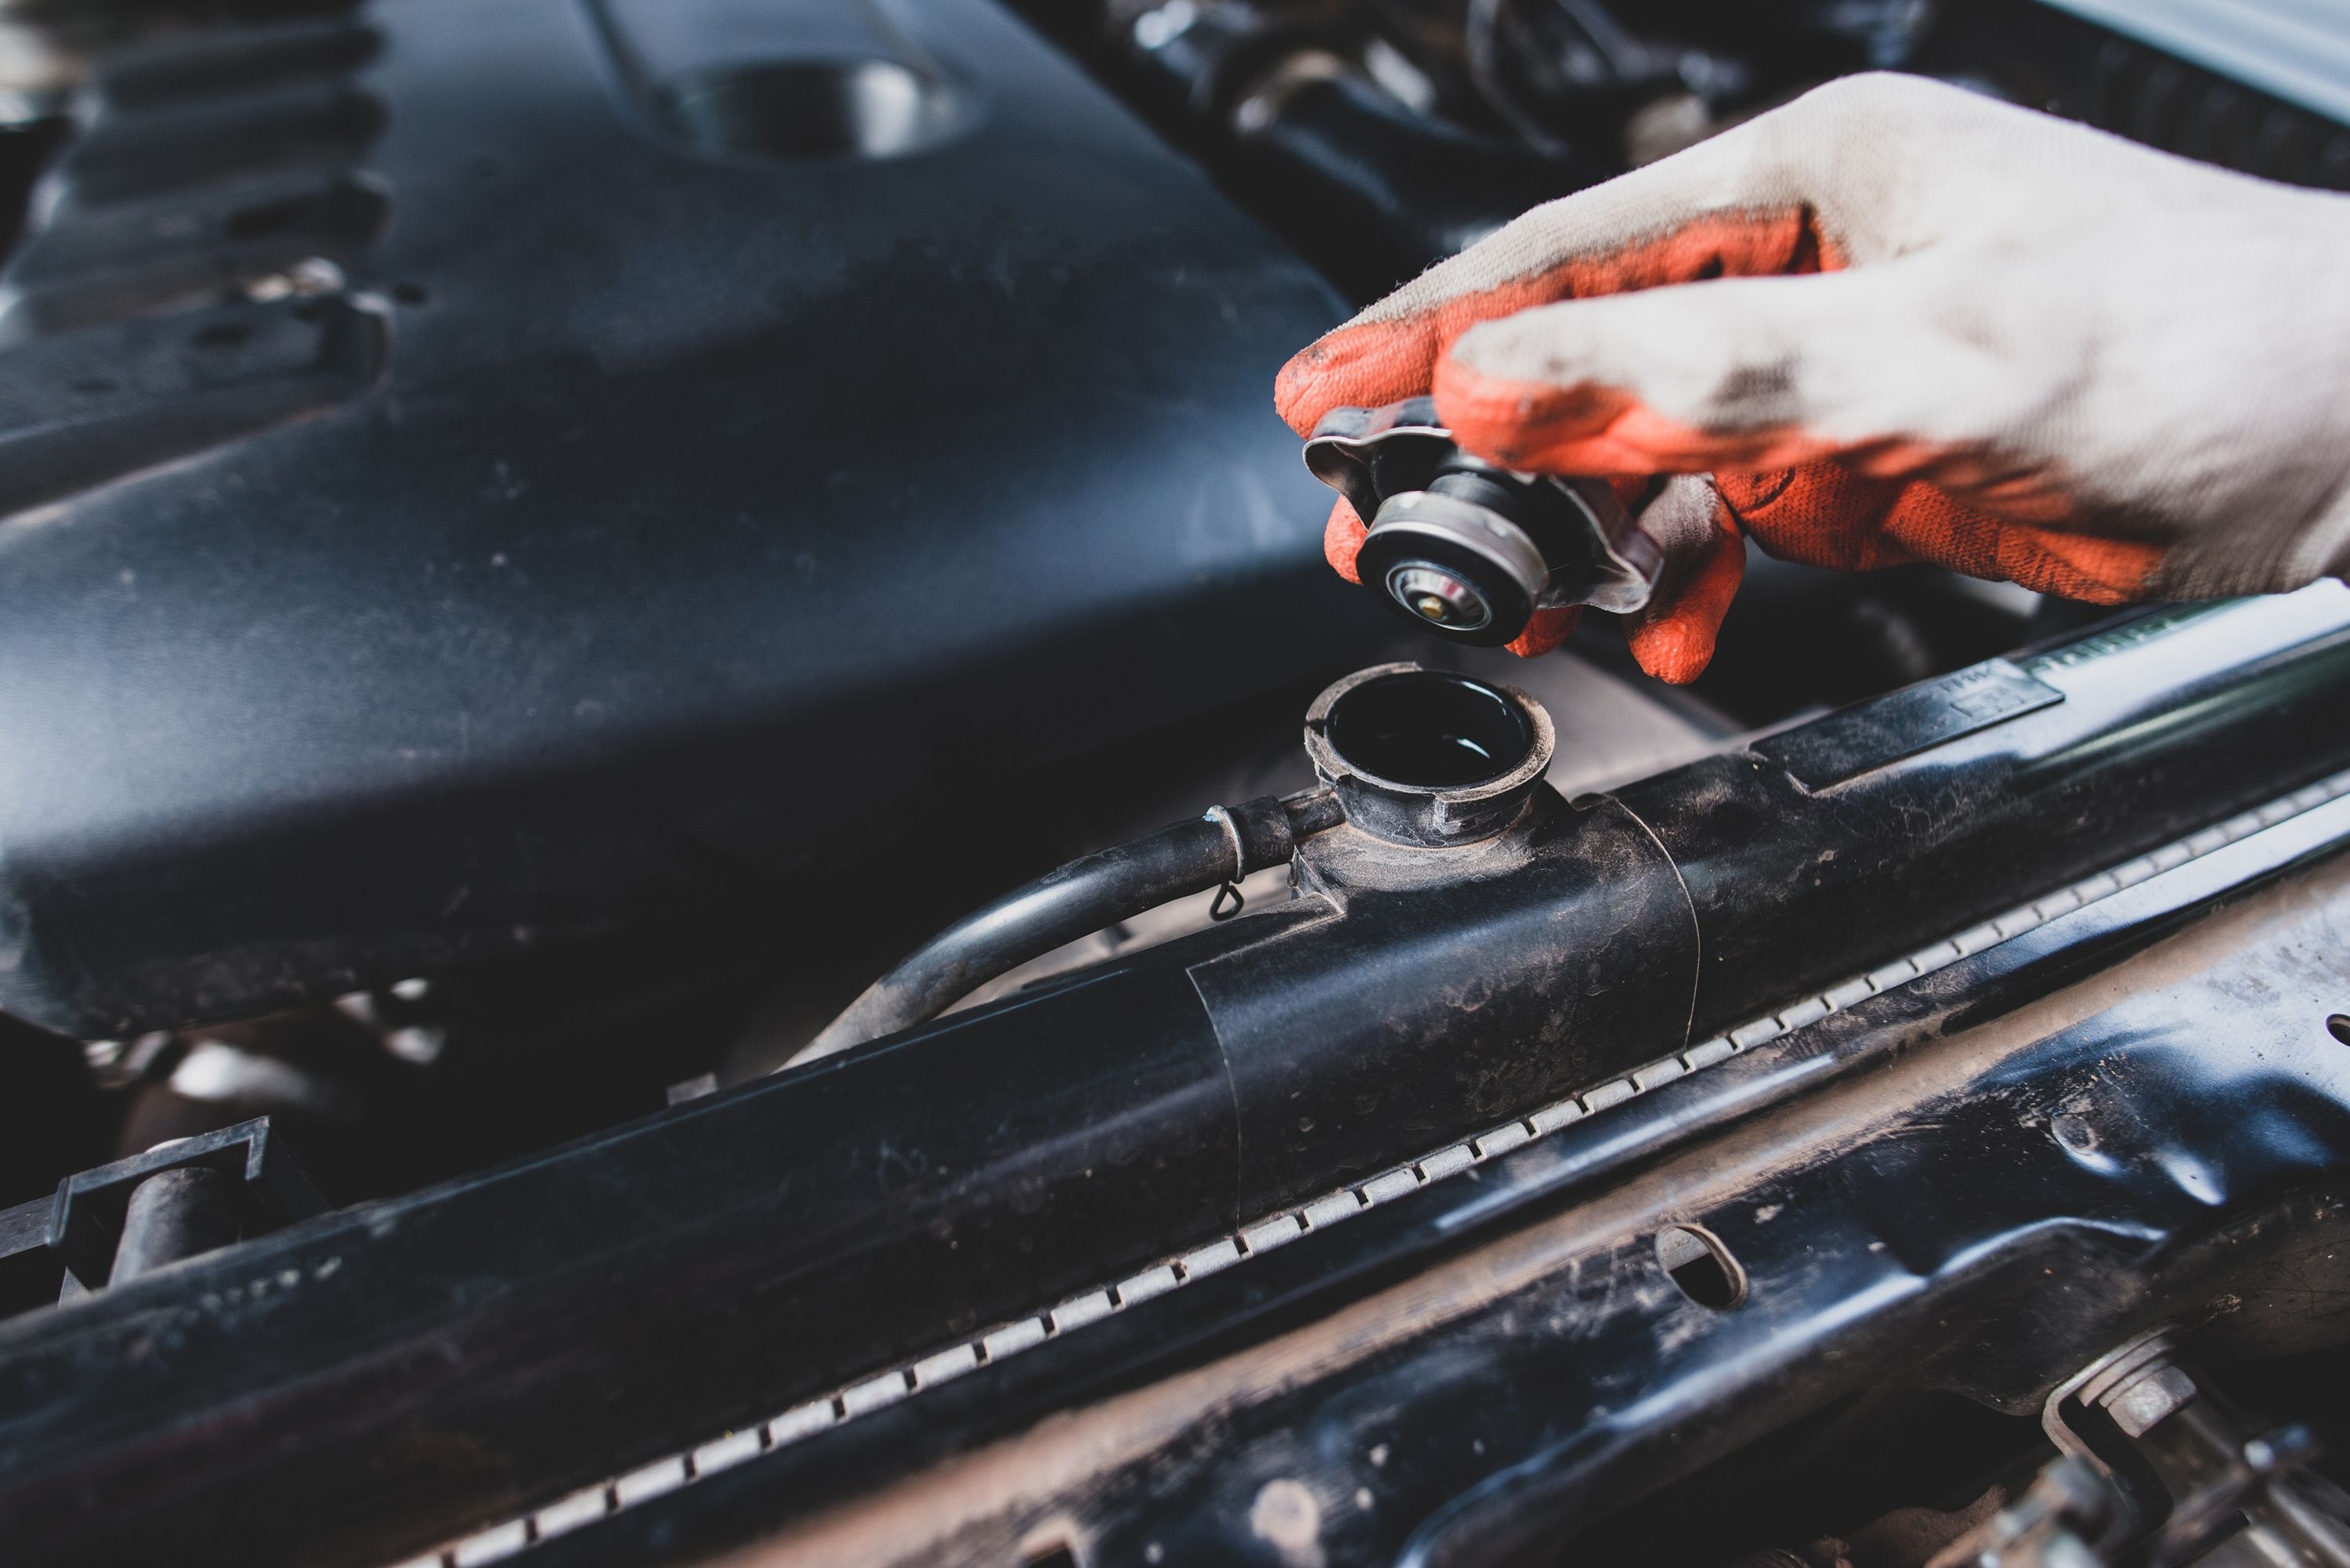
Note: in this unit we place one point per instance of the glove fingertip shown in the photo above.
(1546, 631)
(1364, 364)
(1677, 649)
(1295, 392)
(1675, 640)
(1523, 424)
(1631, 489)
(1342, 540)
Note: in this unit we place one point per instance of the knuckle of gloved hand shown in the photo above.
(1863, 140)
(1872, 97)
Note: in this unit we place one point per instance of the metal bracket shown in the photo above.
(85, 1219)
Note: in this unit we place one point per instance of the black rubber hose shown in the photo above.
(173, 1215)
(1088, 894)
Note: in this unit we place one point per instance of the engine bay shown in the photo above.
(556, 556)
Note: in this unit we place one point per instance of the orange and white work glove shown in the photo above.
(1892, 321)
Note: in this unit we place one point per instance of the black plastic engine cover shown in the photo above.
(736, 419)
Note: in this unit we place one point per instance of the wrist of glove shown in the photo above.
(1897, 322)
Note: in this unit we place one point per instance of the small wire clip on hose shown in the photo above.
(1215, 849)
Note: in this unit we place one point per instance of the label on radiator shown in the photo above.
(2129, 634)
(1861, 739)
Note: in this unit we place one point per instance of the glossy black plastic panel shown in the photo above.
(710, 484)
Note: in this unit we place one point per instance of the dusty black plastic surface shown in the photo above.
(489, 1344)
(1953, 1190)
(1872, 735)
(2165, 726)
(683, 476)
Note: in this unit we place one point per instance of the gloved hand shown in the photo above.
(1895, 321)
